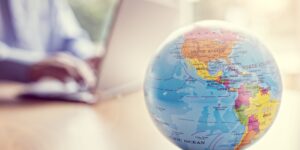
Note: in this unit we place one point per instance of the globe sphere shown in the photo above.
(213, 86)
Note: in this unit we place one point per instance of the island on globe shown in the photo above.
(213, 86)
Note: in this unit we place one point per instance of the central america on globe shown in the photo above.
(213, 86)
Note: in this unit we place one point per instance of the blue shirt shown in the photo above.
(31, 30)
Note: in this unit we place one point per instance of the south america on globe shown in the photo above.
(213, 86)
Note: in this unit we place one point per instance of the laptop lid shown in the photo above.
(138, 27)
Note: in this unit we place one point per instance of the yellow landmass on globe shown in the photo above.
(202, 70)
(263, 109)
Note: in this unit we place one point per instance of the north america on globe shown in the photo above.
(213, 86)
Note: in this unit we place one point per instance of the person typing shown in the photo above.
(41, 39)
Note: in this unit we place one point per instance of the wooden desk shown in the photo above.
(116, 124)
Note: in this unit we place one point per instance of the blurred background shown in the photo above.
(276, 22)
(93, 15)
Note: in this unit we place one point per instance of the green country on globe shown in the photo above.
(213, 86)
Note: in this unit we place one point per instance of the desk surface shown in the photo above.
(116, 124)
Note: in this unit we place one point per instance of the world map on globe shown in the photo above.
(213, 87)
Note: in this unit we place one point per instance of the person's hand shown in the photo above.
(64, 67)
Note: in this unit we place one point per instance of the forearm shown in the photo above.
(14, 71)
(15, 63)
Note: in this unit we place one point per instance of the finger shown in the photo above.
(71, 64)
(87, 74)
(82, 72)
(68, 67)
(55, 72)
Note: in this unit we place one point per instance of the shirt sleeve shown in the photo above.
(72, 38)
(15, 63)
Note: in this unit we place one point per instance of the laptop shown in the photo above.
(133, 32)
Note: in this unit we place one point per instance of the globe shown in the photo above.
(213, 86)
